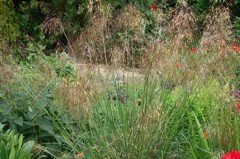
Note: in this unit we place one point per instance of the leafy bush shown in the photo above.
(61, 64)
(33, 57)
(22, 113)
(30, 16)
(12, 146)
(27, 105)
(72, 12)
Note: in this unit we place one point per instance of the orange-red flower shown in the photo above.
(80, 154)
(205, 134)
(237, 107)
(153, 7)
(235, 47)
(194, 50)
(179, 65)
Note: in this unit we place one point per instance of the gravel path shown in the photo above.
(109, 73)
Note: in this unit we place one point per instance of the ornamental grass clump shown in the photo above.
(218, 29)
(182, 27)
(91, 44)
(128, 37)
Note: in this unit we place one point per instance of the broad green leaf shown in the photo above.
(6, 109)
(19, 121)
(47, 126)
(27, 147)
(32, 114)
(1, 126)
(59, 139)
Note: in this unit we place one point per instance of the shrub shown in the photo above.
(27, 104)
(22, 113)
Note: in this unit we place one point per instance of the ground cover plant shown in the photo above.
(119, 79)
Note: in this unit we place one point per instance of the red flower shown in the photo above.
(179, 65)
(235, 47)
(233, 155)
(79, 155)
(194, 50)
(237, 107)
(153, 7)
(205, 134)
(227, 156)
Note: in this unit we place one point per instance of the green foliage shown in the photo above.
(201, 6)
(30, 16)
(27, 106)
(199, 146)
(74, 13)
(8, 28)
(27, 52)
(237, 27)
(61, 65)
(21, 113)
(59, 62)
(122, 3)
(218, 1)
(12, 146)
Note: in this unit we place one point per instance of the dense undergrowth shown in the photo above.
(186, 106)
